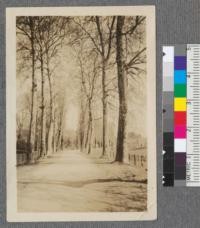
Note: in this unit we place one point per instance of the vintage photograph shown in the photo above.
(80, 110)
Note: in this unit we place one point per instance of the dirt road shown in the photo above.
(71, 181)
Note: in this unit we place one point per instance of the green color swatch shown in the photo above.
(180, 90)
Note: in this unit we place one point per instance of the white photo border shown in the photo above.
(11, 14)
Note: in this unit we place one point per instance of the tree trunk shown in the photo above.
(50, 127)
(122, 88)
(90, 128)
(30, 140)
(104, 94)
(82, 122)
(87, 135)
(42, 133)
(58, 139)
(54, 132)
(104, 104)
(58, 143)
(36, 140)
(81, 132)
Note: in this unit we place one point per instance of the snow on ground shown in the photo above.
(71, 181)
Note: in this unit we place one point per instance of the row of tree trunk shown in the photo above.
(104, 49)
(46, 123)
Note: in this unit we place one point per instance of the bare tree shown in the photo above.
(26, 27)
(123, 70)
(54, 35)
(105, 57)
(40, 41)
(102, 43)
(88, 83)
(122, 87)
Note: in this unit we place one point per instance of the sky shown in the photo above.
(72, 117)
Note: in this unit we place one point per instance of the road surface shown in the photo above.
(71, 181)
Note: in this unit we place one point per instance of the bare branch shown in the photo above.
(100, 35)
(110, 38)
(138, 21)
(23, 32)
(131, 62)
(89, 35)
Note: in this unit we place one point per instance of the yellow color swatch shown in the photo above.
(180, 104)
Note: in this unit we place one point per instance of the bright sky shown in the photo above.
(72, 117)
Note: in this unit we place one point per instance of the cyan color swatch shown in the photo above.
(180, 77)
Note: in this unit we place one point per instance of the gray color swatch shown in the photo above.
(168, 69)
(180, 50)
(168, 111)
(168, 125)
(168, 98)
(168, 84)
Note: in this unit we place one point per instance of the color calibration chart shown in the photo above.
(181, 115)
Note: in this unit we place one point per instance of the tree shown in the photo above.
(40, 41)
(105, 57)
(123, 70)
(103, 44)
(49, 36)
(54, 35)
(122, 87)
(89, 70)
(26, 27)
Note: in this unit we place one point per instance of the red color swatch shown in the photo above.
(180, 118)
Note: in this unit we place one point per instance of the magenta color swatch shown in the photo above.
(180, 131)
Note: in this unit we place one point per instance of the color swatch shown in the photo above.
(180, 98)
(181, 115)
(168, 116)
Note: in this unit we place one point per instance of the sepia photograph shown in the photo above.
(81, 113)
